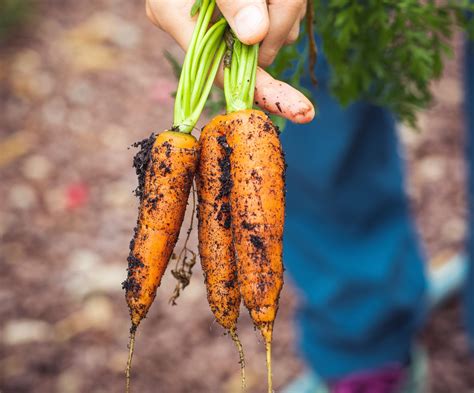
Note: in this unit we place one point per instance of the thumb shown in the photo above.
(248, 18)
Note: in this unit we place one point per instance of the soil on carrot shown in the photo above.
(141, 161)
(224, 166)
(77, 87)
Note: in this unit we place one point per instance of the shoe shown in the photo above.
(307, 383)
(446, 276)
(393, 379)
(389, 380)
(386, 380)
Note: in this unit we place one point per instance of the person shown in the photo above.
(350, 243)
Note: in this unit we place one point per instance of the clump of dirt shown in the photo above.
(225, 182)
(257, 242)
(141, 161)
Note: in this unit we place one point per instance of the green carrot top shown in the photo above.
(200, 67)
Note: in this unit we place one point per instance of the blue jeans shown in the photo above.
(350, 244)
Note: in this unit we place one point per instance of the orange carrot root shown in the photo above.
(257, 209)
(166, 176)
(166, 166)
(215, 235)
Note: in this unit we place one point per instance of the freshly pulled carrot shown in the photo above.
(257, 197)
(258, 206)
(215, 236)
(166, 166)
(167, 178)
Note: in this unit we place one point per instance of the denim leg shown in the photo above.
(350, 246)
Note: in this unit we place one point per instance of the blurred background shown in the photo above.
(80, 81)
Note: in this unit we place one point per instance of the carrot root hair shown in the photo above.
(240, 349)
(268, 349)
(131, 348)
(186, 259)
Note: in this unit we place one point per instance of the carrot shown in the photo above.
(168, 176)
(258, 204)
(257, 196)
(166, 166)
(215, 236)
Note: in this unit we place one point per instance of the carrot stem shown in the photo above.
(131, 349)
(237, 48)
(197, 54)
(253, 76)
(208, 51)
(180, 104)
(199, 69)
(193, 118)
(240, 76)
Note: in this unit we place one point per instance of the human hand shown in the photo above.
(253, 21)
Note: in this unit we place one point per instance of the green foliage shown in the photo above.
(216, 101)
(384, 51)
(13, 13)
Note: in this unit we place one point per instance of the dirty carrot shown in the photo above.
(215, 236)
(257, 196)
(166, 166)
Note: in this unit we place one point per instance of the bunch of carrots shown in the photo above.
(239, 169)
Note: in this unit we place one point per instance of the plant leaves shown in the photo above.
(385, 51)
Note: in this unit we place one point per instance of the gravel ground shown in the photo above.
(77, 88)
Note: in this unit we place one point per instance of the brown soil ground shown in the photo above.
(80, 85)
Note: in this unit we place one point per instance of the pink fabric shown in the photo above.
(386, 380)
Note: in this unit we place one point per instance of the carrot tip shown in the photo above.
(238, 344)
(131, 348)
(268, 348)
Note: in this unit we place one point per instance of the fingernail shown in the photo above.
(248, 22)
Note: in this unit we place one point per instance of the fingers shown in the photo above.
(271, 95)
(150, 13)
(247, 18)
(285, 17)
(281, 99)
(174, 20)
(278, 98)
(293, 34)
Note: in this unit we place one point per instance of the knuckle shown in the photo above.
(233, 6)
(149, 12)
(299, 3)
(267, 57)
(151, 7)
(225, 4)
(290, 3)
(292, 38)
(293, 35)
